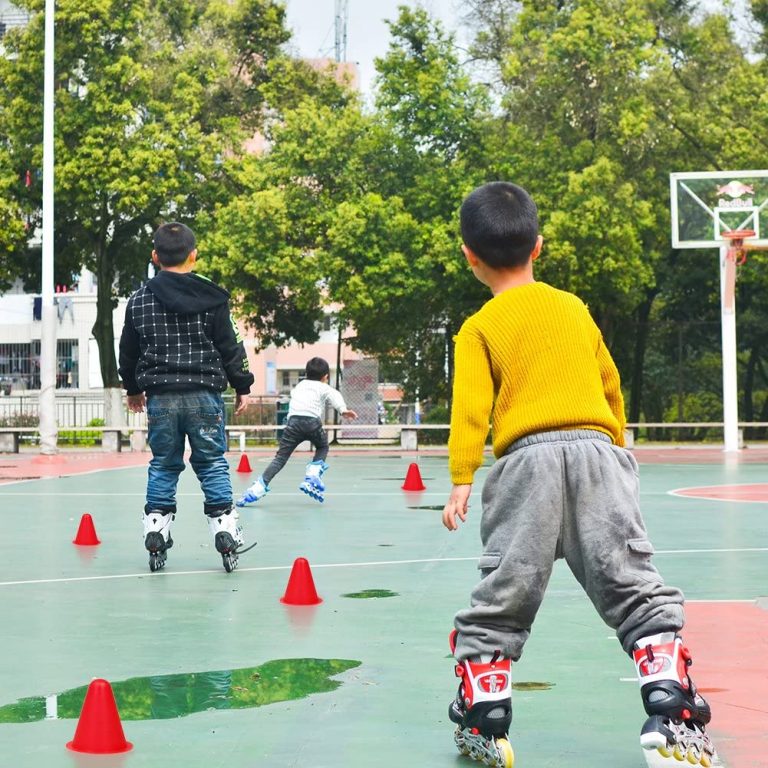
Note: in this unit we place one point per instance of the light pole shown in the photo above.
(47, 406)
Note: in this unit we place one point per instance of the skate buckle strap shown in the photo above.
(649, 652)
(459, 670)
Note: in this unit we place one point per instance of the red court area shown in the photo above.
(729, 645)
(34, 466)
(749, 492)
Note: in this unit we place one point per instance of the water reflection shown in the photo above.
(165, 696)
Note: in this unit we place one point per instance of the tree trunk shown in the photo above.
(450, 364)
(104, 333)
(747, 407)
(638, 362)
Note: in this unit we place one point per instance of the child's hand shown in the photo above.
(241, 403)
(136, 403)
(349, 414)
(456, 506)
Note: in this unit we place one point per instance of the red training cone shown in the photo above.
(301, 585)
(244, 465)
(86, 533)
(99, 731)
(413, 481)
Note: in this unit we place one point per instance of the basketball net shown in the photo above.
(735, 257)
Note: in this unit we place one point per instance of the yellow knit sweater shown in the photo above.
(530, 360)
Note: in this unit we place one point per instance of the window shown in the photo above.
(20, 365)
(289, 379)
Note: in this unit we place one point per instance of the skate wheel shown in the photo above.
(461, 744)
(665, 751)
(156, 561)
(678, 753)
(506, 754)
(230, 562)
(705, 760)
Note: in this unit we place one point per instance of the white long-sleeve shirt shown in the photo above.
(308, 398)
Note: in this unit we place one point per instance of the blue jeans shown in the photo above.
(199, 416)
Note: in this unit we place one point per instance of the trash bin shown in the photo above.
(281, 415)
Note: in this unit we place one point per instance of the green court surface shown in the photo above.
(211, 669)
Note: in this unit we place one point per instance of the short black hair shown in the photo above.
(173, 242)
(316, 368)
(500, 224)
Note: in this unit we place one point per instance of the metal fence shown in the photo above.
(87, 409)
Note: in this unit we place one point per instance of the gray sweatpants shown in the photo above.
(571, 494)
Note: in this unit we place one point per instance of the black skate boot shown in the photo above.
(228, 538)
(677, 713)
(482, 709)
(157, 536)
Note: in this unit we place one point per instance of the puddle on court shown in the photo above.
(165, 696)
(531, 686)
(367, 594)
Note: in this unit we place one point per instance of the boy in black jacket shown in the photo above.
(178, 351)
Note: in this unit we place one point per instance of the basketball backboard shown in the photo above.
(706, 204)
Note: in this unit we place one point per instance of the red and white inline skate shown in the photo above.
(482, 709)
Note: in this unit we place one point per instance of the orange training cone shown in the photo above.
(244, 465)
(413, 481)
(99, 731)
(301, 585)
(86, 533)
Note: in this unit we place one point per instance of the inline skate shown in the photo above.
(255, 492)
(677, 713)
(157, 536)
(228, 536)
(312, 485)
(482, 709)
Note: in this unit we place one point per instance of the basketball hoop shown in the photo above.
(726, 210)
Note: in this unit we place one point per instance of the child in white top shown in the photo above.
(304, 422)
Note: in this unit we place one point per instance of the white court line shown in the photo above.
(161, 574)
(272, 494)
(218, 570)
(679, 493)
(707, 551)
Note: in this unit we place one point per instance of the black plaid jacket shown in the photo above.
(179, 335)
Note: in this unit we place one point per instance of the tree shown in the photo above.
(358, 209)
(599, 101)
(12, 224)
(149, 100)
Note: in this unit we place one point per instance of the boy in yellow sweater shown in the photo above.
(533, 363)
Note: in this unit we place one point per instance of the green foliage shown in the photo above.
(589, 105)
(145, 110)
(20, 420)
(83, 438)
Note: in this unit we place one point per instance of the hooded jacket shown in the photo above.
(179, 335)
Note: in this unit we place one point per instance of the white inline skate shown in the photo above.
(482, 709)
(228, 537)
(157, 536)
(255, 492)
(313, 486)
(677, 713)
